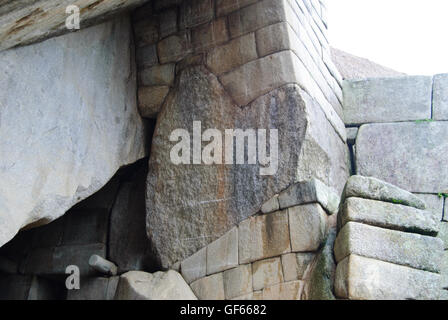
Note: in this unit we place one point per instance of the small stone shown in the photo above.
(352, 133)
(150, 100)
(238, 281)
(266, 273)
(160, 75)
(222, 254)
(290, 267)
(284, 291)
(271, 205)
(361, 278)
(195, 266)
(407, 249)
(233, 54)
(173, 48)
(308, 227)
(102, 265)
(138, 285)
(389, 216)
(209, 288)
(263, 237)
(375, 189)
(310, 192)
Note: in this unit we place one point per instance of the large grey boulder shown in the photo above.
(411, 155)
(360, 278)
(387, 99)
(403, 248)
(69, 121)
(24, 22)
(189, 206)
(138, 285)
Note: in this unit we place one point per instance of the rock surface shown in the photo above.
(24, 22)
(410, 155)
(353, 67)
(137, 285)
(387, 99)
(178, 221)
(361, 278)
(440, 97)
(66, 135)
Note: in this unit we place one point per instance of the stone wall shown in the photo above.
(396, 132)
(234, 65)
(269, 256)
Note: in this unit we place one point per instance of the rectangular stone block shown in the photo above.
(410, 155)
(224, 7)
(238, 281)
(308, 226)
(290, 267)
(146, 56)
(407, 249)
(163, 4)
(304, 261)
(95, 289)
(440, 97)
(146, 32)
(209, 35)
(389, 216)
(284, 291)
(313, 191)
(86, 227)
(159, 75)
(360, 278)
(168, 22)
(209, 288)
(433, 202)
(233, 54)
(195, 266)
(263, 237)
(266, 273)
(271, 205)
(387, 99)
(173, 48)
(222, 254)
(150, 100)
(256, 16)
(195, 12)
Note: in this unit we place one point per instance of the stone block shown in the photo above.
(266, 273)
(146, 56)
(238, 281)
(195, 12)
(443, 234)
(168, 22)
(284, 291)
(407, 249)
(375, 189)
(85, 227)
(209, 288)
(224, 7)
(361, 278)
(160, 75)
(290, 267)
(440, 97)
(195, 266)
(444, 270)
(433, 203)
(310, 192)
(95, 289)
(233, 54)
(138, 285)
(146, 32)
(150, 100)
(308, 227)
(387, 99)
(28, 287)
(352, 133)
(271, 205)
(173, 48)
(209, 35)
(256, 16)
(389, 216)
(164, 4)
(222, 254)
(263, 237)
(409, 154)
(249, 296)
(304, 261)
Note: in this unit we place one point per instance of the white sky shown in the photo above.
(410, 36)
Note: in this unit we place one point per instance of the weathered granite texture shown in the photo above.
(65, 136)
